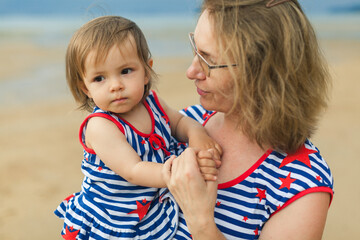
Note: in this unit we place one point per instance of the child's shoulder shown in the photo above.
(98, 117)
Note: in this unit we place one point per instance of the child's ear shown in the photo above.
(147, 78)
(84, 89)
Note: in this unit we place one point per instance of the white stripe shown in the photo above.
(195, 114)
(250, 199)
(233, 227)
(235, 205)
(142, 192)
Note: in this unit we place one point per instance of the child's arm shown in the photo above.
(110, 144)
(186, 129)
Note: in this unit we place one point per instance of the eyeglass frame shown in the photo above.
(195, 50)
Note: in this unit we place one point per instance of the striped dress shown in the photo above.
(277, 179)
(109, 207)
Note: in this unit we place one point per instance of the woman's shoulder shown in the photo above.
(307, 159)
(287, 177)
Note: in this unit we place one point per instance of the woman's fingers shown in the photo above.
(166, 170)
(181, 167)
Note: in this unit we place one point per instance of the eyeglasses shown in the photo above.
(206, 67)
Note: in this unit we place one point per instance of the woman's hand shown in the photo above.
(195, 196)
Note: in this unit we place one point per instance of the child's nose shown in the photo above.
(116, 84)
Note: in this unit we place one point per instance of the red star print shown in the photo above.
(245, 218)
(261, 194)
(218, 203)
(256, 231)
(69, 197)
(100, 168)
(318, 178)
(141, 209)
(278, 207)
(143, 142)
(186, 109)
(286, 182)
(301, 155)
(70, 234)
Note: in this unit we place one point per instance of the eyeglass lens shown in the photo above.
(203, 64)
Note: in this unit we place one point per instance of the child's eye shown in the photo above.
(126, 71)
(98, 78)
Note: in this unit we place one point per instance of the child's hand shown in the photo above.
(207, 164)
(202, 141)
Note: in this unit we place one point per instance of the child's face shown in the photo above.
(117, 83)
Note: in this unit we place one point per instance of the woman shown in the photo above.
(262, 84)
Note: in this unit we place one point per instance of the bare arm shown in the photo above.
(111, 146)
(186, 129)
(303, 219)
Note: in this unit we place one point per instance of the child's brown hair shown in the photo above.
(100, 34)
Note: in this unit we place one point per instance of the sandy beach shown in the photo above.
(40, 155)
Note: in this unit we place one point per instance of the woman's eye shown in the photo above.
(99, 78)
(126, 71)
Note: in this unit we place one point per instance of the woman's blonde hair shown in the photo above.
(101, 34)
(281, 80)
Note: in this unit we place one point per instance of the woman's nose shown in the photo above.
(195, 71)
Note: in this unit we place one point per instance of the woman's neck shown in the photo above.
(239, 153)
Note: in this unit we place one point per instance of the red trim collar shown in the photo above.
(245, 174)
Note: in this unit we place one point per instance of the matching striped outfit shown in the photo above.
(277, 179)
(109, 207)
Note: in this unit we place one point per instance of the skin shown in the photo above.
(117, 84)
(197, 197)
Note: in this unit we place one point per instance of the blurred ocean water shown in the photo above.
(165, 23)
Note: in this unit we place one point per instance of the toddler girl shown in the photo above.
(126, 139)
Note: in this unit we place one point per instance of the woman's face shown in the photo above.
(216, 90)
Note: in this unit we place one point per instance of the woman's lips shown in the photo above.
(201, 92)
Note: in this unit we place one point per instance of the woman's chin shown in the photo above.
(206, 104)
